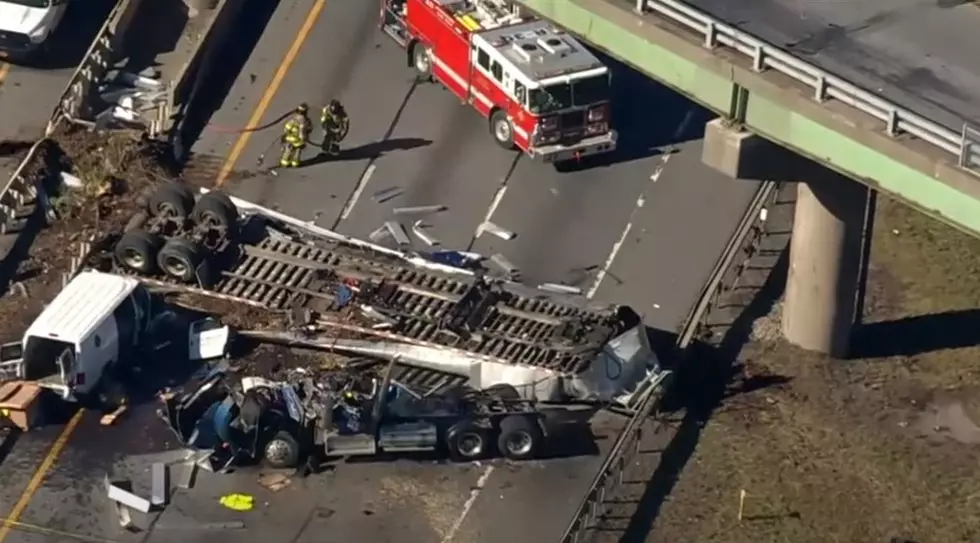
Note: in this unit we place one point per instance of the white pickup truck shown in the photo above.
(27, 25)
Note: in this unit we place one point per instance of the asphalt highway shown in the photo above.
(643, 228)
(918, 53)
(29, 93)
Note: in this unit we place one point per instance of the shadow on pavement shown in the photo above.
(370, 151)
(220, 80)
(704, 380)
(917, 335)
(81, 22)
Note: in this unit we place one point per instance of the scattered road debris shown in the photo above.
(385, 195)
(238, 502)
(188, 471)
(118, 492)
(560, 288)
(506, 265)
(397, 232)
(381, 234)
(499, 231)
(110, 418)
(420, 210)
(160, 476)
(274, 481)
(19, 404)
(418, 228)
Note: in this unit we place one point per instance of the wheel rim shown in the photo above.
(519, 443)
(166, 209)
(422, 60)
(470, 444)
(277, 451)
(133, 259)
(176, 266)
(502, 131)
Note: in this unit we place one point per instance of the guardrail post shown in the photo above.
(710, 35)
(640, 7)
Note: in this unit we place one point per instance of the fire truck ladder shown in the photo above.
(424, 306)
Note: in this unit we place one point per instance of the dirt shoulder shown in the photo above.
(114, 170)
(862, 450)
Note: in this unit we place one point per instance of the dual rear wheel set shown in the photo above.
(174, 211)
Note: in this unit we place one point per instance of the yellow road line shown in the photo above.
(39, 475)
(270, 92)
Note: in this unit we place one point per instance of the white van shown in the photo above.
(26, 25)
(94, 322)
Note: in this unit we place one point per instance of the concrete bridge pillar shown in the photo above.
(825, 261)
(826, 248)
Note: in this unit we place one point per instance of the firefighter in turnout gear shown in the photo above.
(296, 134)
(335, 123)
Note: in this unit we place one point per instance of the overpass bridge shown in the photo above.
(891, 126)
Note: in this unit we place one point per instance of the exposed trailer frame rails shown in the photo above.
(296, 265)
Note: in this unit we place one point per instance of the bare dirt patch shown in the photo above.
(861, 450)
(114, 169)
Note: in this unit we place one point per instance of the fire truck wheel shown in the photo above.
(502, 130)
(520, 438)
(466, 442)
(422, 59)
(180, 258)
(172, 200)
(215, 210)
(137, 251)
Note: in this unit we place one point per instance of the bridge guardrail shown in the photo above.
(964, 144)
(627, 444)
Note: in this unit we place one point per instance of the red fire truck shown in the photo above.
(541, 89)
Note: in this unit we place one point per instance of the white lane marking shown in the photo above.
(664, 159)
(669, 151)
(474, 494)
(497, 198)
(606, 265)
(357, 192)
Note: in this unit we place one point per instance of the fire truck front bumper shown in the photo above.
(595, 145)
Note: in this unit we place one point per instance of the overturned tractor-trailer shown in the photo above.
(362, 298)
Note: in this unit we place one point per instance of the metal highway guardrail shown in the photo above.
(964, 144)
(627, 444)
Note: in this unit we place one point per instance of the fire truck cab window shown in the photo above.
(520, 92)
(497, 71)
(550, 99)
(483, 59)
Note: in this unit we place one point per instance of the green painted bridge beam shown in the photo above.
(776, 108)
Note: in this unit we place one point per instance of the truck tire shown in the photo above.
(422, 60)
(282, 451)
(466, 442)
(137, 251)
(503, 391)
(215, 210)
(520, 438)
(172, 200)
(502, 130)
(179, 258)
